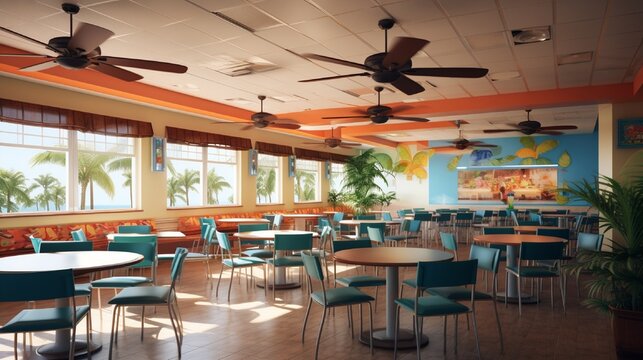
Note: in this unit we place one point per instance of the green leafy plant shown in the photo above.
(409, 164)
(531, 152)
(334, 198)
(617, 274)
(385, 199)
(360, 185)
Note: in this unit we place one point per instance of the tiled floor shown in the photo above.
(252, 327)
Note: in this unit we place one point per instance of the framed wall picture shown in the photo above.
(328, 168)
(158, 154)
(630, 133)
(253, 159)
(291, 166)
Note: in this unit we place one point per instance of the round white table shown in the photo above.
(243, 221)
(303, 220)
(82, 262)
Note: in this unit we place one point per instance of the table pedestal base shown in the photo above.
(406, 339)
(56, 351)
(285, 286)
(525, 299)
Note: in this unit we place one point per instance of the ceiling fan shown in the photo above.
(333, 142)
(379, 114)
(394, 66)
(462, 144)
(81, 49)
(530, 127)
(263, 119)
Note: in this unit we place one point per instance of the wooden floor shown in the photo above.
(253, 327)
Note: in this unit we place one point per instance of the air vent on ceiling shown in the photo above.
(531, 35)
(232, 21)
(575, 58)
(288, 98)
(231, 66)
(365, 91)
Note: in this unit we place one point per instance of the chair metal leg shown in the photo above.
(562, 295)
(551, 291)
(230, 284)
(475, 331)
(397, 331)
(175, 327)
(519, 298)
(112, 336)
(15, 345)
(370, 328)
(416, 324)
(321, 326)
(444, 336)
(303, 329)
(350, 320)
(455, 340)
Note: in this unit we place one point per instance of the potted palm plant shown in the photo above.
(360, 185)
(385, 199)
(616, 285)
(334, 199)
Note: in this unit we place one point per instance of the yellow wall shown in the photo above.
(152, 193)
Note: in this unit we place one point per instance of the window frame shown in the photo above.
(279, 180)
(318, 172)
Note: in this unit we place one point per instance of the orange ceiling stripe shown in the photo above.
(374, 141)
(638, 81)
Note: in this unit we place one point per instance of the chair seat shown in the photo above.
(432, 306)
(315, 252)
(243, 262)
(259, 253)
(397, 238)
(533, 271)
(458, 293)
(190, 256)
(44, 319)
(286, 261)
(142, 295)
(341, 296)
(83, 289)
(361, 280)
(120, 282)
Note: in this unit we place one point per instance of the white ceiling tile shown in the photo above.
(540, 82)
(251, 17)
(502, 66)
(608, 76)
(488, 41)
(424, 62)
(34, 9)
(573, 46)
(456, 59)
(214, 26)
(624, 24)
(480, 23)
(493, 55)
(289, 11)
(376, 38)
(363, 20)
(622, 7)
(348, 46)
(281, 58)
(169, 9)
(606, 62)
(541, 63)
(223, 48)
(574, 74)
(574, 10)
(184, 35)
(321, 29)
(528, 16)
(335, 7)
(254, 44)
(413, 10)
(452, 92)
(445, 47)
(575, 30)
(526, 51)
(611, 43)
(218, 5)
(431, 30)
(479, 87)
(507, 4)
(132, 14)
(510, 86)
(464, 7)
(285, 37)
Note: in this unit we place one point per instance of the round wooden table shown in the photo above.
(513, 241)
(532, 229)
(356, 223)
(82, 262)
(243, 221)
(391, 258)
(280, 272)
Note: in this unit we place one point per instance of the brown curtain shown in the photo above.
(205, 139)
(339, 158)
(273, 149)
(48, 116)
(306, 154)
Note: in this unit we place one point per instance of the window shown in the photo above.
(200, 176)
(306, 180)
(52, 170)
(336, 176)
(268, 179)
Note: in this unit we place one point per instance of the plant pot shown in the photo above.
(627, 326)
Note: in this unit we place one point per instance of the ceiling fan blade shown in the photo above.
(550, 132)
(345, 146)
(88, 37)
(25, 37)
(559, 127)
(335, 77)
(402, 51)
(347, 117)
(49, 63)
(455, 72)
(484, 145)
(116, 72)
(408, 118)
(349, 144)
(142, 64)
(336, 61)
(314, 143)
(407, 85)
(26, 55)
(285, 126)
(400, 108)
(248, 127)
(493, 131)
(443, 148)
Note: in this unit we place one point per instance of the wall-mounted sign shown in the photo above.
(158, 154)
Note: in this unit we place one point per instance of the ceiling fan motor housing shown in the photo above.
(529, 127)
(379, 119)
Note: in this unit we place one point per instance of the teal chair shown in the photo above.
(234, 262)
(503, 215)
(439, 275)
(376, 234)
(488, 260)
(363, 230)
(134, 229)
(449, 243)
(337, 217)
(259, 250)
(152, 296)
(366, 217)
(356, 280)
(463, 223)
(499, 230)
(269, 217)
(425, 219)
(331, 298)
(586, 242)
(538, 253)
(288, 243)
(142, 238)
(277, 221)
(203, 256)
(387, 216)
(78, 235)
(37, 286)
(326, 233)
(206, 245)
(35, 243)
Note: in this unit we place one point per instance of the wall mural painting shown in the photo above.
(495, 184)
(407, 163)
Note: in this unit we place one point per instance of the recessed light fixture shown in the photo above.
(531, 35)
(240, 101)
(504, 75)
(412, 100)
(187, 87)
(575, 58)
(288, 98)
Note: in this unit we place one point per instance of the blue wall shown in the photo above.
(582, 149)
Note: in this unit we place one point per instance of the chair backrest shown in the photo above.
(401, 213)
(278, 220)
(206, 221)
(253, 227)
(365, 217)
(422, 216)
(589, 241)
(448, 241)
(293, 241)
(137, 229)
(413, 226)
(34, 286)
(312, 266)
(78, 235)
(541, 251)
(464, 217)
(387, 216)
(418, 209)
(488, 258)
(147, 249)
(561, 233)
(514, 217)
(137, 238)
(177, 263)
(324, 235)
(269, 217)
(502, 213)
(528, 223)
(322, 222)
(63, 246)
(578, 223)
(363, 227)
(498, 230)
(375, 234)
(535, 217)
(350, 244)
(337, 217)
(444, 217)
(224, 242)
(209, 238)
(443, 274)
(35, 242)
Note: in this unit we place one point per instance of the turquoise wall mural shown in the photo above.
(575, 155)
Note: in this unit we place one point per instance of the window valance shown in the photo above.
(307, 154)
(205, 139)
(339, 158)
(273, 149)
